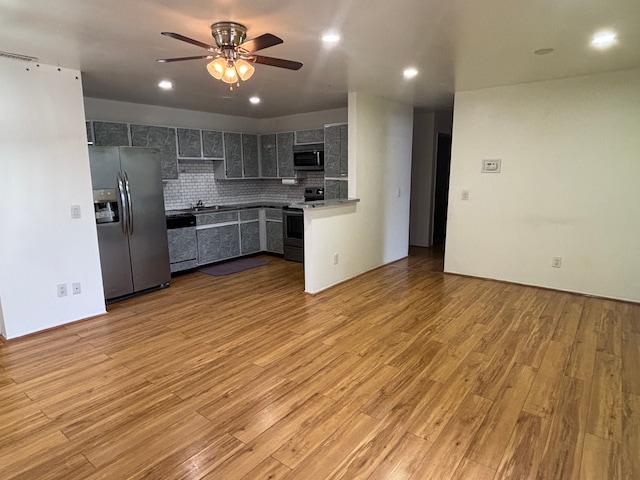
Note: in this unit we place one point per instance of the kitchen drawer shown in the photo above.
(217, 217)
(251, 214)
(186, 265)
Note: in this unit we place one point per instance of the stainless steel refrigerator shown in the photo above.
(129, 210)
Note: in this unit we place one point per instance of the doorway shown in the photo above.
(441, 195)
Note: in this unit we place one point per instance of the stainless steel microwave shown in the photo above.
(308, 157)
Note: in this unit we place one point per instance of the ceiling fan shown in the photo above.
(232, 55)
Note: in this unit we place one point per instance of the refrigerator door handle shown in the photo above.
(123, 201)
(129, 206)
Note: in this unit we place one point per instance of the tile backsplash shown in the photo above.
(196, 182)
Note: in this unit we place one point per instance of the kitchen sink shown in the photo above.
(211, 208)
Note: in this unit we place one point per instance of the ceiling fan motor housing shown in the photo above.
(228, 33)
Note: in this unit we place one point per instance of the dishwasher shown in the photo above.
(183, 246)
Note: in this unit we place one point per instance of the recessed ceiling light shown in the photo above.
(165, 85)
(604, 39)
(410, 72)
(543, 51)
(255, 100)
(331, 38)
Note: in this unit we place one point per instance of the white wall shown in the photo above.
(569, 187)
(45, 170)
(302, 121)
(374, 231)
(125, 112)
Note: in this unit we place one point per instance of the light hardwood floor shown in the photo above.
(402, 373)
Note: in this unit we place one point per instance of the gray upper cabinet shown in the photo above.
(250, 168)
(189, 143)
(232, 155)
(309, 136)
(240, 157)
(268, 156)
(89, 133)
(335, 151)
(212, 144)
(162, 138)
(109, 134)
(335, 189)
(285, 154)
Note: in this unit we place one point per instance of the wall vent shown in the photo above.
(17, 56)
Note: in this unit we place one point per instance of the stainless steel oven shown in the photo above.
(293, 234)
(293, 226)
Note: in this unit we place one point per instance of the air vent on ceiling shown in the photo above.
(17, 56)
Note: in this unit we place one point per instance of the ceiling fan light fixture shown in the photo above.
(217, 68)
(245, 69)
(230, 75)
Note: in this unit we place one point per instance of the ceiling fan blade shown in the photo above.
(274, 62)
(197, 43)
(180, 59)
(263, 41)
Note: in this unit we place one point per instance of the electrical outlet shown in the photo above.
(76, 288)
(465, 194)
(62, 290)
(335, 259)
(556, 262)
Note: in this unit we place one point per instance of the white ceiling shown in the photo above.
(455, 44)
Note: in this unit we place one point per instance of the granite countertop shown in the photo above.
(243, 206)
(326, 203)
(225, 208)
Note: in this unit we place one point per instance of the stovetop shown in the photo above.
(312, 194)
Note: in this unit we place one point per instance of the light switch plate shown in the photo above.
(75, 211)
(491, 166)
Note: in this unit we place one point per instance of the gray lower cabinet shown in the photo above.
(285, 155)
(183, 248)
(274, 237)
(336, 151)
(161, 138)
(268, 155)
(218, 243)
(249, 237)
(274, 230)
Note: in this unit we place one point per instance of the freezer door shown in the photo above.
(112, 239)
(147, 223)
